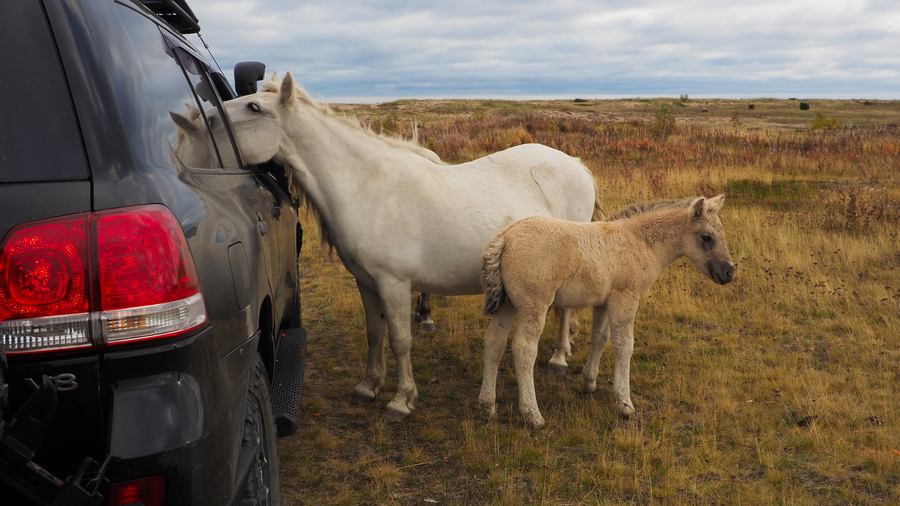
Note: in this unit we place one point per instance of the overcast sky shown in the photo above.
(373, 51)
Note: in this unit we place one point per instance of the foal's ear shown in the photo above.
(286, 95)
(715, 203)
(698, 207)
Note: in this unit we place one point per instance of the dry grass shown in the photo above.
(780, 388)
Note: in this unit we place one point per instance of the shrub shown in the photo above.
(804, 106)
(823, 122)
(663, 123)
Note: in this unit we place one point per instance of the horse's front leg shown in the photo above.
(423, 313)
(494, 346)
(621, 325)
(563, 348)
(376, 327)
(599, 338)
(395, 300)
(524, 349)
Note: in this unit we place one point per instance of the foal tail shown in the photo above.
(491, 281)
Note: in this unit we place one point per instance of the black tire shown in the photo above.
(263, 487)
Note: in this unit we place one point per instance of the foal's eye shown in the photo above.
(706, 238)
(253, 106)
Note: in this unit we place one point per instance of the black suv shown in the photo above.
(148, 277)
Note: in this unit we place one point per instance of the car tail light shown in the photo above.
(147, 491)
(97, 279)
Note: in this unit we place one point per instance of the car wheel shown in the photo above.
(263, 487)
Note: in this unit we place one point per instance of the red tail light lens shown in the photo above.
(43, 270)
(144, 259)
(148, 491)
(145, 281)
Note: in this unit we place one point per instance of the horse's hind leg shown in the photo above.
(621, 326)
(524, 349)
(423, 313)
(494, 345)
(376, 327)
(599, 338)
(563, 348)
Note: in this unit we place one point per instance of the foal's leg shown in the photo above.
(395, 300)
(563, 348)
(494, 345)
(599, 338)
(376, 327)
(524, 349)
(423, 312)
(621, 325)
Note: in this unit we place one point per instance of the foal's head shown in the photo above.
(705, 240)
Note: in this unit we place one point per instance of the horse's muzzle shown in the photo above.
(721, 272)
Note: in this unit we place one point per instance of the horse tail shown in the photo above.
(491, 280)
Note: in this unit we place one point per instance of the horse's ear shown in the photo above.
(182, 122)
(286, 95)
(715, 203)
(698, 207)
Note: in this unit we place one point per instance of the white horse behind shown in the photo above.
(399, 221)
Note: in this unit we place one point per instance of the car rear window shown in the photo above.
(39, 137)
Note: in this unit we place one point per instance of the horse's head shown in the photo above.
(193, 146)
(258, 120)
(705, 240)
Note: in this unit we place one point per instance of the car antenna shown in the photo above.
(206, 46)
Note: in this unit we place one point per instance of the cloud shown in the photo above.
(393, 49)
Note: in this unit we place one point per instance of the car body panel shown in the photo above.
(172, 407)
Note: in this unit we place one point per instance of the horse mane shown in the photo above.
(646, 207)
(298, 194)
(273, 85)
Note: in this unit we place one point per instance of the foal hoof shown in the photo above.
(427, 327)
(536, 421)
(488, 411)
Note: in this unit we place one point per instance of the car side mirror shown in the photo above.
(246, 75)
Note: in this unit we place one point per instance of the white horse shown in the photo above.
(399, 221)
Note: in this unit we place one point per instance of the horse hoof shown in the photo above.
(626, 411)
(426, 327)
(590, 386)
(489, 411)
(363, 396)
(558, 368)
(394, 416)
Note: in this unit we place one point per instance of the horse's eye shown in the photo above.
(706, 238)
(253, 106)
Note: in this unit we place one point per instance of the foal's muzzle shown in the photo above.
(721, 272)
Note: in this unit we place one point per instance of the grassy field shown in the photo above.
(779, 388)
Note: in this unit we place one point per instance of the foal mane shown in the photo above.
(646, 207)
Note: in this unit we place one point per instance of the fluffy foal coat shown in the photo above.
(538, 262)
